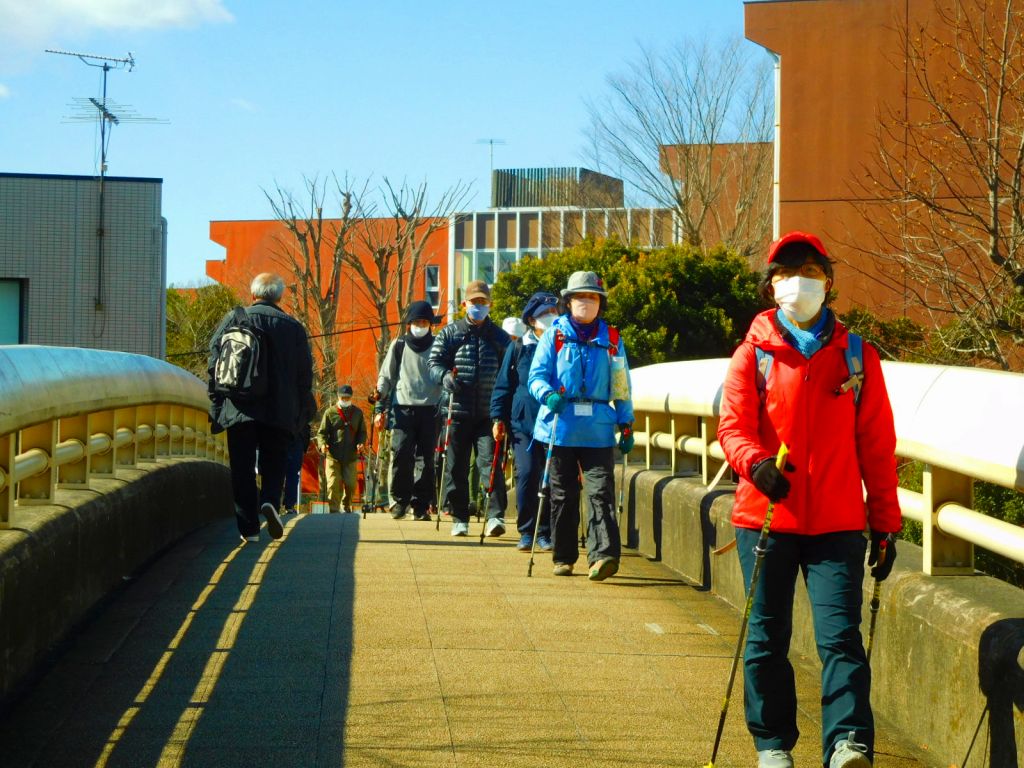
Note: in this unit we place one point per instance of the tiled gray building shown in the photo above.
(54, 286)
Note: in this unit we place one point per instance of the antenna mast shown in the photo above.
(106, 63)
(491, 143)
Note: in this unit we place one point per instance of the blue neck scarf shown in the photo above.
(584, 332)
(806, 342)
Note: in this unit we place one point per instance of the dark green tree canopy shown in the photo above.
(673, 303)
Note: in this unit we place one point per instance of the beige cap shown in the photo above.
(477, 289)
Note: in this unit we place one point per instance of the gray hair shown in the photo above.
(268, 287)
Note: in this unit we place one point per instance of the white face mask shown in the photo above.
(419, 331)
(799, 297)
(584, 310)
(545, 321)
(344, 403)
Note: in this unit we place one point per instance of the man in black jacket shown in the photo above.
(465, 359)
(268, 418)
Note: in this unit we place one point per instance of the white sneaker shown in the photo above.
(774, 758)
(495, 527)
(460, 529)
(850, 754)
(274, 527)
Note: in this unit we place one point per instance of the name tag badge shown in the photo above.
(583, 409)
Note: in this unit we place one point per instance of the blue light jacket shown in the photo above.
(584, 370)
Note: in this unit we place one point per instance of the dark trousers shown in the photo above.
(244, 440)
(412, 456)
(293, 474)
(529, 472)
(466, 435)
(597, 466)
(832, 565)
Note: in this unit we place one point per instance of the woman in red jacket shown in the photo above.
(839, 436)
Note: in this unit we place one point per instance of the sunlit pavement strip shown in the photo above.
(384, 643)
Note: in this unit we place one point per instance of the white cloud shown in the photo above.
(5, 92)
(244, 104)
(39, 19)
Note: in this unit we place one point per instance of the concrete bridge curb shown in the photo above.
(59, 560)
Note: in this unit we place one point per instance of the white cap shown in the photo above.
(513, 326)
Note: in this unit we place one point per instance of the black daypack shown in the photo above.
(241, 368)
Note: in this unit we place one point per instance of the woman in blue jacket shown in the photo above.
(512, 404)
(580, 373)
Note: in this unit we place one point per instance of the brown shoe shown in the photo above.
(562, 569)
(602, 569)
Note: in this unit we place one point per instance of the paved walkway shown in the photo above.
(382, 643)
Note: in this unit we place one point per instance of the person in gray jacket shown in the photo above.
(465, 360)
(405, 388)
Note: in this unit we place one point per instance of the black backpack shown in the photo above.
(241, 368)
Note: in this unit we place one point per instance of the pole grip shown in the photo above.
(780, 457)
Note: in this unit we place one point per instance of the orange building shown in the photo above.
(845, 88)
(264, 246)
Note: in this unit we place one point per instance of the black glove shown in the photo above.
(882, 562)
(451, 383)
(770, 481)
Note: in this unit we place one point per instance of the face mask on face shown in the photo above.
(344, 402)
(419, 331)
(584, 310)
(545, 321)
(477, 312)
(799, 297)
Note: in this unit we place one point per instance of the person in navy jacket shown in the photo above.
(580, 373)
(513, 407)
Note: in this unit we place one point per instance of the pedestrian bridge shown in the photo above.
(136, 632)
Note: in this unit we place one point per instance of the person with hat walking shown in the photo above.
(580, 374)
(513, 407)
(465, 359)
(800, 378)
(340, 438)
(404, 388)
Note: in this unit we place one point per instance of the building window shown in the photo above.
(432, 279)
(12, 311)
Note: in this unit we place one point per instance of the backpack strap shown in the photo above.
(855, 365)
(764, 360)
(396, 362)
(559, 341)
(613, 340)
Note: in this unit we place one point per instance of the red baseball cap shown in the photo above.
(796, 237)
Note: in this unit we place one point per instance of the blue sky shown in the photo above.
(258, 92)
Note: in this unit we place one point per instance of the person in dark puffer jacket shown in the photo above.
(465, 359)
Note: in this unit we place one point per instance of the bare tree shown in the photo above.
(313, 255)
(949, 233)
(394, 246)
(690, 130)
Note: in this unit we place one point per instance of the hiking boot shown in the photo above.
(421, 514)
(562, 569)
(544, 544)
(525, 543)
(850, 754)
(602, 569)
(495, 527)
(460, 528)
(397, 511)
(774, 758)
(274, 527)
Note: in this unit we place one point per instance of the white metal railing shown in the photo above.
(72, 415)
(962, 424)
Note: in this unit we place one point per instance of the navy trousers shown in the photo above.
(832, 566)
(529, 473)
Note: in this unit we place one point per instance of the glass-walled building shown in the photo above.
(486, 243)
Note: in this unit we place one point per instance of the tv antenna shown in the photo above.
(491, 143)
(109, 114)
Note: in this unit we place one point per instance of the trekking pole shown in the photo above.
(366, 468)
(444, 451)
(876, 595)
(490, 483)
(759, 550)
(540, 491)
(622, 490)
